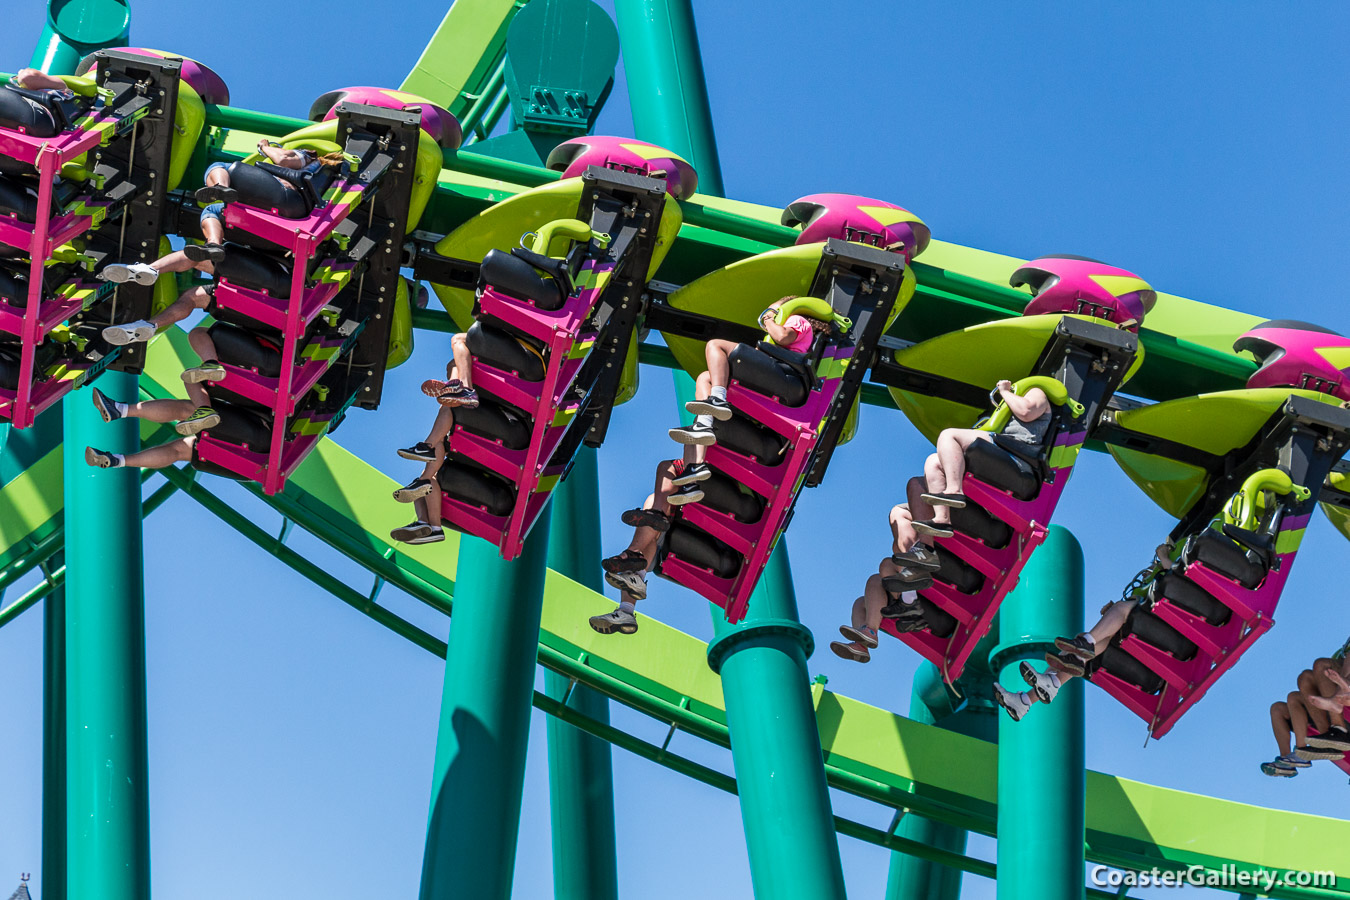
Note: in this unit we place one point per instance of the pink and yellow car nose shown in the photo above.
(626, 155)
(436, 120)
(859, 219)
(1078, 284)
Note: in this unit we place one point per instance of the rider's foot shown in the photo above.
(130, 333)
(109, 409)
(627, 561)
(1016, 703)
(851, 652)
(207, 371)
(413, 490)
(1080, 645)
(216, 193)
(698, 434)
(692, 474)
(718, 408)
(418, 532)
(202, 418)
(954, 499)
(420, 452)
(646, 518)
(208, 252)
(1045, 684)
(120, 273)
(865, 636)
(1065, 664)
(631, 583)
(618, 620)
(933, 528)
(920, 556)
(690, 493)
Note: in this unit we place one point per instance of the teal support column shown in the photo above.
(666, 89)
(75, 28)
(108, 827)
(1040, 759)
(580, 770)
(485, 721)
(54, 742)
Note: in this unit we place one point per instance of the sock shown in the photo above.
(1087, 636)
(718, 393)
(1026, 697)
(627, 606)
(703, 421)
(909, 597)
(1054, 676)
(120, 407)
(118, 460)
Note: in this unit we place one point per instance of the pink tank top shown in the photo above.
(802, 334)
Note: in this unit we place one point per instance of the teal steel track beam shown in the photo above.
(580, 765)
(54, 798)
(479, 772)
(1041, 768)
(75, 28)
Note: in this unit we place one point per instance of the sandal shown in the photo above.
(627, 561)
(649, 518)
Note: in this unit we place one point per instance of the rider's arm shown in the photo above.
(1028, 407)
(281, 156)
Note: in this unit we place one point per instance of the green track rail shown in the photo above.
(897, 763)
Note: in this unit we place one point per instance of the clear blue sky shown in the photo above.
(1199, 144)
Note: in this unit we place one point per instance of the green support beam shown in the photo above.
(485, 721)
(1041, 785)
(54, 739)
(580, 767)
(457, 65)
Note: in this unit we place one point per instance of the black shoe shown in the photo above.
(920, 556)
(931, 528)
(1066, 664)
(690, 493)
(955, 500)
(1078, 645)
(907, 580)
(627, 561)
(692, 474)
(718, 409)
(418, 533)
(413, 490)
(1335, 739)
(899, 609)
(650, 518)
(420, 451)
(106, 408)
(699, 435)
(1315, 753)
(198, 253)
(216, 193)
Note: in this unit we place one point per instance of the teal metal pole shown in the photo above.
(485, 721)
(666, 89)
(580, 768)
(75, 28)
(108, 829)
(1041, 759)
(54, 741)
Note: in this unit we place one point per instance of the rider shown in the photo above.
(945, 469)
(795, 334)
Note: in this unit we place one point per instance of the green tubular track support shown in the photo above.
(75, 28)
(54, 797)
(456, 67)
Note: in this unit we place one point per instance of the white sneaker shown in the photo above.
(1016, 704)
(631, 583)
(130, 333)
(1045, 684)
(141, 273)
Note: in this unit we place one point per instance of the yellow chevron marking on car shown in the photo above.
(581, 348)
(887, 216)
(832, 367)
(1337, 356)
(1120, 285)
(1288, 541)
(308, 426)
(318, 351)
(563, 416)
(546, 484)
(649, 151)
(1064, 455)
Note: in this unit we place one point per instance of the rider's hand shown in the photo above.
(1004, 385)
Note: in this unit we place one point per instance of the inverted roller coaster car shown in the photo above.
(308, 309)
(82, 177)
(625, 155)
(553, 337)
(1243, 471)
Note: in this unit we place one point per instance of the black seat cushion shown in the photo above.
(19, 197)
(475, 486)
(940, 622)
(976, 521)
(958, 573)
(496, 422)
(517, 278)
(30, 110)
(726, 495)
(13, 286)
(9, 370)
(311, 181)
(242, 426)
(1127, 668)
(245, 349)
(257, 187)
(697, 547)
(255, 270)
(1152, 630)
(1225, 557)
(782, 374)
(506, 351)
(1004, 470)
(744, 436)
(1186, 594)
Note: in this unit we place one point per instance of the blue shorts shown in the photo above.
(212, 167)
(214, 211)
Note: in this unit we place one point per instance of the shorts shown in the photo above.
(211, 168)
(214, 211)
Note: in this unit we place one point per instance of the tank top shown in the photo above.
(1032, 432)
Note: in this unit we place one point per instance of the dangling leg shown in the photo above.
(189, 301)
(151, 458)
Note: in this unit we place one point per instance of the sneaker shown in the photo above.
(121, 273)
(1044, 684)
(718, 409)
(1066, 664)
(920, 556)
(898, 609)
(413, 490)
(690, 493)
(101, 459)
(627, 561)
(908, 580)
(1016, 704)
(930, 528)
(631, 583)
(850, 652)
(1080, 646)
(865, 636)
(130, 333)
(1294, 761)
(692, 474)
(418, 532)
(616, 620)
(646, 518)
(699, 435)
(106, 408)
(207, 371)
(419, 452)
(203, 418)
(436, 389)
(1335, 739)
(216, 193)
(466, 398)
(955, 500)
(199, 253)
(1313, 753)
(1278, 768)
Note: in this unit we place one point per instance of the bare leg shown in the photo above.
(1324, 687)
(873, 599)
(459, 346)
(428, 508)
(162, 456)
(161, 411)
(951, 451)
(1112, 620)
(903, 535)
(936, 480)
(1298, 718)
(218, 176)
(645, 537)
(440, 430)
(1307, 687)
(188, 302)
(1281, 724)
(717, 354)
(214, 232)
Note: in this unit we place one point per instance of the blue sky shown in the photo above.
(1200, 144)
